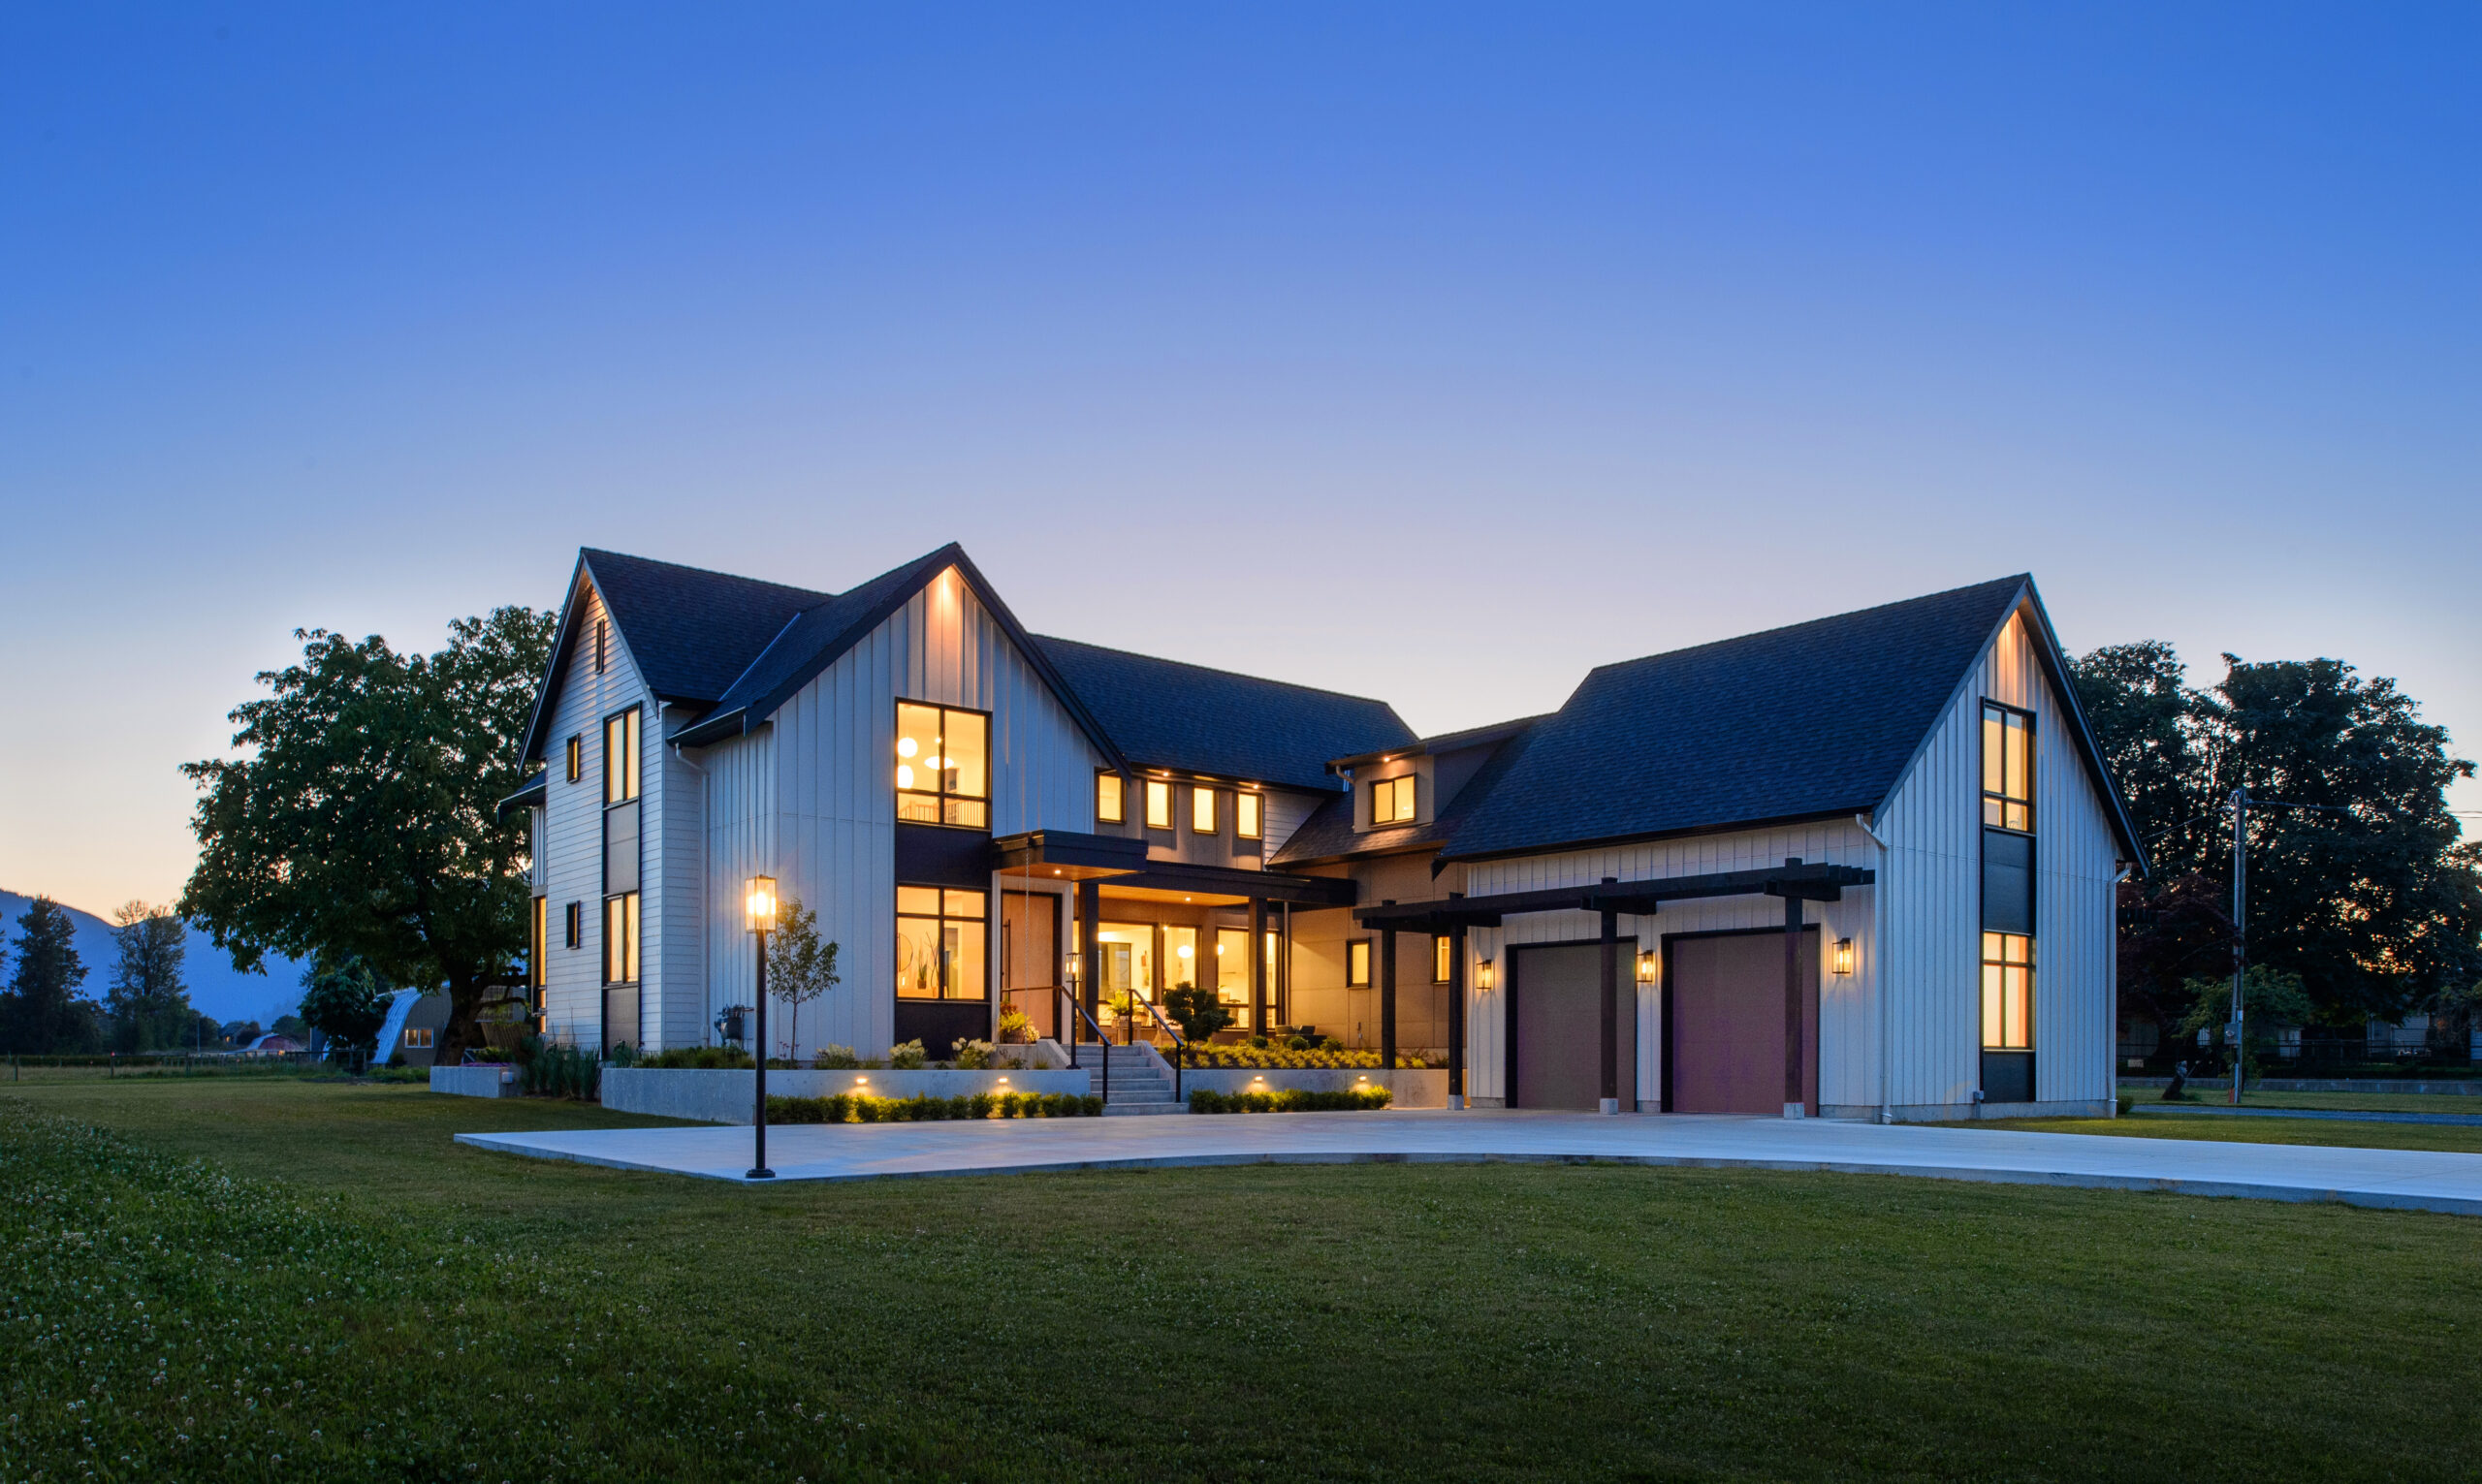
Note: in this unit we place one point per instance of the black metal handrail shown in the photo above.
(1069, 998)
(1180, 1043)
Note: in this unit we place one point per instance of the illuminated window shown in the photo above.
(2007, 768)
(1204, 819)
(1391, 800)
(1249, 816)
(621, 939)
(939, 936)
(1110, 807)
(577, 758)
(1181, 956)
(1232, 972)
(1158, 804)
(2007, 991)
(538, 940)
(1357, 964)
(417, 1039)
(1443, 947)
(620, 757)
(942, 766)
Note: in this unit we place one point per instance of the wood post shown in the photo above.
(1387, 998)
(1257, 966)
(1090, 952)
(1610, 1001)
(1456, 1013)
(1796, 1105)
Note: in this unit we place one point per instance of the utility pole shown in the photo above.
(2240, 928)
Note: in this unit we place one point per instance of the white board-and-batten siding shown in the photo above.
(1848, 1074)
(569, 865)
(808, 798)
(1932, 876)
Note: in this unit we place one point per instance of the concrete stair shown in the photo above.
(1141, 1084)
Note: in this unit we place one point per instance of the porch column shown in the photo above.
(1795, 1104)
(1089, 953)
(1610, 1008)
(1388, 997)
(1257, 966)
(1456, 1013)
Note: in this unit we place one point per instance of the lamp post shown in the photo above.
(758, 909)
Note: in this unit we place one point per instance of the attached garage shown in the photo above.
(1723, 1022)
(1556, 997)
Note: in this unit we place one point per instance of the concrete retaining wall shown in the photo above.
(1425, 1089)
(481, 1079)
(724, 1096)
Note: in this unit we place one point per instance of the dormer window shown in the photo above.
(1204, 817)
(942, 766)
(1391, 800)
(1158, 804)
(1249, 816)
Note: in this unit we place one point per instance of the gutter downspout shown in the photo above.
(1879, 973)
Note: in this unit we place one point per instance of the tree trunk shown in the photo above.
(464, 1027)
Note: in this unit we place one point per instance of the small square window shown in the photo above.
(1112, 805)
(1391, 802)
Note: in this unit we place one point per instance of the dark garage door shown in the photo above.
(1724, 1023)
(1558, 1052)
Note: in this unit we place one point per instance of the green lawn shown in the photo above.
(2456, 1138)
(287, 1279)
(2348, 1102)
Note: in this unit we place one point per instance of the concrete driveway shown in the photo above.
(2399, 1179)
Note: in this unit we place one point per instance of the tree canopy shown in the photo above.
(344, 1001)
(147, 1000)
(42, 1012)
(2360, 883)
(363, 821)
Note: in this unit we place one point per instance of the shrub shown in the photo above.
(907, 1055)
(1015, 1027)
(862, 1108)
(701, 1058)
(835, 1058)
(622, 1055)
(1290, 1100)
(973, 1056)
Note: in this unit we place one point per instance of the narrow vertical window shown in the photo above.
(573, 925)
(2007, 768)
(1357, 964)
(1442, 947)
(2007, 991)
(1204, 818)
(621, 761)
(577, 758)
(1111, 806)
(538, 940)
(1158, 804)
(621, 939)
(1250, 816)
(602, 643)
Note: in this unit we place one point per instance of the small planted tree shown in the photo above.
(800, 969)
(1199, 1011)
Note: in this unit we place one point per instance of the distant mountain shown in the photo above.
(216, 988)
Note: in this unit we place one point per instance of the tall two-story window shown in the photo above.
(939, 935)
(1391, 800)
(1111, 803)
(1158, 804)
(1204, 817)
(620, 780)
(2008, 902)
(942, 766)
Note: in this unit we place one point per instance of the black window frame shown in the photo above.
(577, 757)
(1998, 803)
(1405, 781)
(630, 905)
(942, 798)
(602, 645)
(1119, 815)
(573, 925)
(1358, 949)
(633, 755)
(2034, 986)
(1443, 958)
(943, 917)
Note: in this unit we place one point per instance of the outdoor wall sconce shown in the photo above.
(1844, 956)
(1647, 967)
(1484, 975)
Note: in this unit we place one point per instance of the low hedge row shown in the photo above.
(1290, 1100)
(862, 1108)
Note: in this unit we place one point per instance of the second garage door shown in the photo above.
(1559, 1051)
(1724, 1023)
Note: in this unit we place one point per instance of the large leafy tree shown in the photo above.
(362, 822)
(42, 1011)
(344, 1001)
(148, 1002)
(2359, 883)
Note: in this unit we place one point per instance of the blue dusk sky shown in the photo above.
(1432, 352)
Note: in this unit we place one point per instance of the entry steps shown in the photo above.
(1141, 1082)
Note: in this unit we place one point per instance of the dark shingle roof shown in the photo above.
(1164, 713)
(1803, 723)
(693, 631)
(817, 634)
(1328, 833)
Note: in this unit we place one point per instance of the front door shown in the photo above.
(1724, 1023)
(1029, 962)
(1557, 1001)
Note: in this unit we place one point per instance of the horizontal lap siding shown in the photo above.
(1934, 828)
(1848, 1072)
(572, 868)
(815, 803)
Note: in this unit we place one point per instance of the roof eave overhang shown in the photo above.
(538, 722)
(1645, 837)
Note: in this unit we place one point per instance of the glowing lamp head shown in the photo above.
(1647, 967)
(758, 904)
(1484, 975)
(904, 776)
(1844, 956)
(906, 747)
